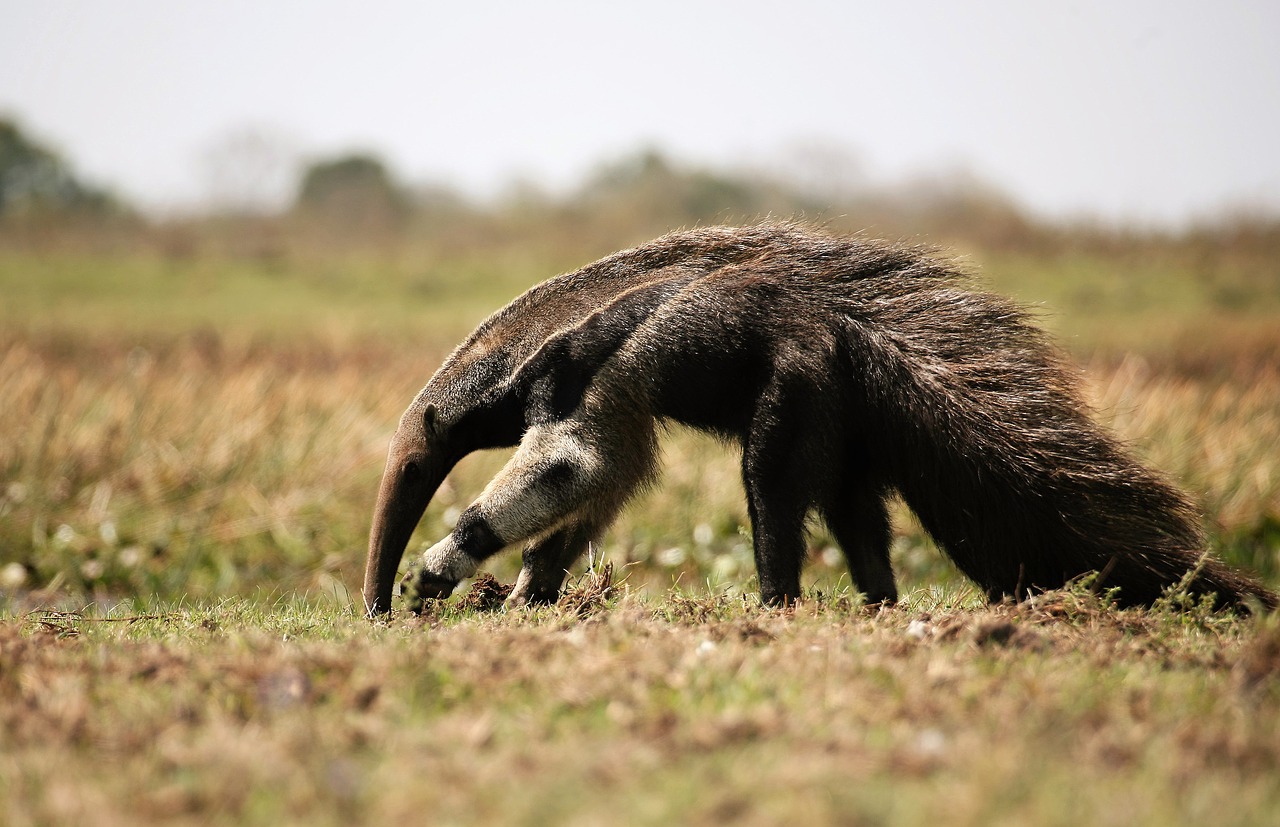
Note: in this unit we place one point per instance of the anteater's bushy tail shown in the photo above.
(990, 445)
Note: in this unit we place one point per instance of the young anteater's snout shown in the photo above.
(848, 370)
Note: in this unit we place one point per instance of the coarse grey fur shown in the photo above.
(847, 369)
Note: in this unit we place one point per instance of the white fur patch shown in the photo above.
(517, 503)
(446, 560)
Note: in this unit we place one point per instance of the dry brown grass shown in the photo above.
(204, 467)
(1060, 711)
(1217, 437)
(194, 416)
(191, 466)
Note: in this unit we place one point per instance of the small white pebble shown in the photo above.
(705, 647)
(918, 629)
(931, 742)
(725, 567)
(673, 556)
(13, 575)
(129, 556)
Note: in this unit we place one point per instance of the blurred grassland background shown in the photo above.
(199, 407)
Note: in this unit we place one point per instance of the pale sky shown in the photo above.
(1142, 111)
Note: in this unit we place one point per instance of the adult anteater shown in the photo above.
(847, 369)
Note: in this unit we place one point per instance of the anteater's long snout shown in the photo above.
(408, 484)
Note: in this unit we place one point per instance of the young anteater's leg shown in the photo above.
(857, 517)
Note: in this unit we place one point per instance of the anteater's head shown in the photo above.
(420, 456)
(465, 407)
(472, 402)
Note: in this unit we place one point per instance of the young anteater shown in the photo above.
(847, 370)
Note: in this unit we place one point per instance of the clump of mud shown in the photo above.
(485, 595)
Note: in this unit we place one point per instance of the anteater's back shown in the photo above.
(956, 400)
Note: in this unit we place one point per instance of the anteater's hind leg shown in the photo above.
(777, 524)
(546, 562)
(778, 458)
(858, 519)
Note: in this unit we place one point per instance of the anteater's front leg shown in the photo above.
(546, 561)
(556, 483)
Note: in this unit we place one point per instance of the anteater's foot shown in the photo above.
(528, 591)
(779, 600)
(420, 585)
(516, 601)
(876, 600)
(874, 607)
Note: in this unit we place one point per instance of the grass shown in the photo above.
(693, 709)
(190, 445)
(200, 468)
(335, 299)
(1175, 307)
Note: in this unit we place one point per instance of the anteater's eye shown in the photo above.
(409, 471)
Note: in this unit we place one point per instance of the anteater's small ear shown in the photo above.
(429, 416)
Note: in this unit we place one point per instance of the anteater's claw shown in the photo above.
(419, 586)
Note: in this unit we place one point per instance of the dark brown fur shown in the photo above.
(847, 369)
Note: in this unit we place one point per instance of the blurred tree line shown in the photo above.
(34, 180)
(355, 202)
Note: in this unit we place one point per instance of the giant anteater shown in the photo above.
(847, 369)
